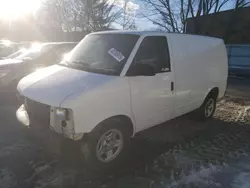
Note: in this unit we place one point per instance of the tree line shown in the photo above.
(169, 15)
(86, 15)
(57, 17)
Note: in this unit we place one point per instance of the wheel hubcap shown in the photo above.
(209, 108)
(109, 145)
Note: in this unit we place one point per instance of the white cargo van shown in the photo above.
(114, 84)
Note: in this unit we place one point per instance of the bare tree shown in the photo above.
(172, 15)
(160, 13)
(98, 14)
(219, 4)
(241, 3)
(102, 15)
(127, 20)
(86, 15)
(52, 15)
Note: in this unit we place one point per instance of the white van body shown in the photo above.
(198, 64)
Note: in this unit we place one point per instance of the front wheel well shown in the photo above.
(122, 118)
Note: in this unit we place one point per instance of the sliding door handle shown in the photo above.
(172, 86)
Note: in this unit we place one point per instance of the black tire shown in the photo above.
(89, 148)
(209, 102)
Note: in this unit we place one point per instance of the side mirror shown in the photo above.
(140, 69)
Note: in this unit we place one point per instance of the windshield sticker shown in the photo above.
(116, 54)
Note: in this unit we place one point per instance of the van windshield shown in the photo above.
(102, 53)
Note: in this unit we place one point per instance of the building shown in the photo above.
(232, 25)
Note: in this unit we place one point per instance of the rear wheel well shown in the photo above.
(122, 118)
(214, 93)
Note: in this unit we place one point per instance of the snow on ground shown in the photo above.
(7, 179)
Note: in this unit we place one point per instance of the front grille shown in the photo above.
(37, 112)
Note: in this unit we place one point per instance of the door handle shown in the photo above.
(172, 86)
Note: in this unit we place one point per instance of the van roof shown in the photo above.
(141, 33)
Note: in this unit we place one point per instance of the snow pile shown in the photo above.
(7, 179)
(201, 177)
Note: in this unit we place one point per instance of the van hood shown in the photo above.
(52, 85)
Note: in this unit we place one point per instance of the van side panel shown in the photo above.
(200, 64)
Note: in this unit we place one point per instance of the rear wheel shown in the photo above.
(107, 145)
(208, 107)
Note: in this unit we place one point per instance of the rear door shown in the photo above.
(152, 97)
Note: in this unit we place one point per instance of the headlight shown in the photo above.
(62, 113)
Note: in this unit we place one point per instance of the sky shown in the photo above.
(23, 7)
(133, 7)
(14, 9)
(8, 12)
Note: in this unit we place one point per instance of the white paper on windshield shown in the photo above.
(116, 54)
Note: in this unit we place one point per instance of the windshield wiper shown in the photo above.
(75, 64)
(86, 67)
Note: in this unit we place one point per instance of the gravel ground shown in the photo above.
(179, 153)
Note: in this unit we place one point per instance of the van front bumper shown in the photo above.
(43, 126)
(40, 133)
(22, 116)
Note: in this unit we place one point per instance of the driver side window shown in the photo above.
(153, 52)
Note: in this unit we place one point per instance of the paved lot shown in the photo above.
(239, 87)
(179, 153)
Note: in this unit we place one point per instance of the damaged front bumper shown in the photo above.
(61, 128)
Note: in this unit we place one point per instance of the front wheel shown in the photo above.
(107, 146)
(208, 107)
